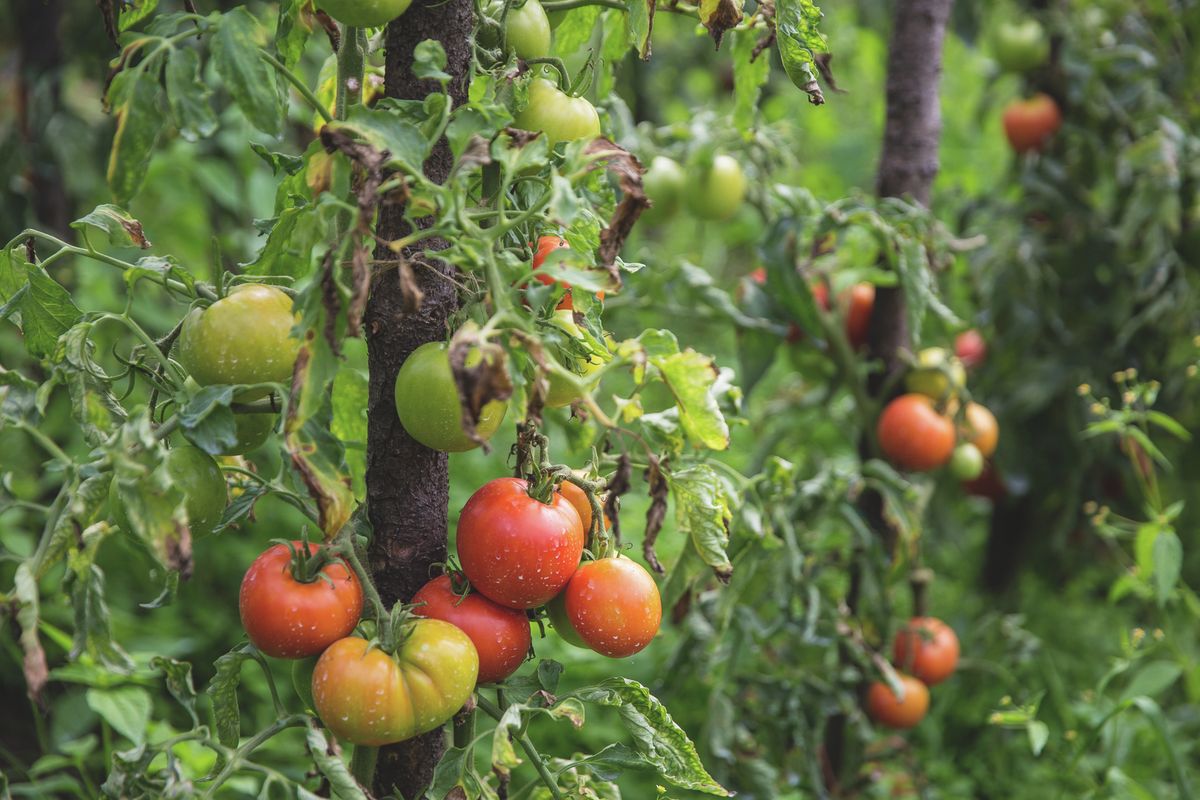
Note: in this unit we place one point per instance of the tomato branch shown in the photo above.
(299, 85)
(493, 711)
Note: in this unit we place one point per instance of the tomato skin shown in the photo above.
(716, 192)
(927, 648)
(1029, 124)
(561, 117)
(199, 477)
(971, 348)
(545, 246)
(252, 431)
(556, 610)
(371, 698)
(515, 550)
(966, 464)
(614, 606)
(982, 430)
(285, 618)
(501, 635)
(578, 498)
(913, 435)
(664, 184)
(859, 303)
(428, 405)
(364, 13)
(245, 337)
(527, 31)
(1020, 46)
(887, 709)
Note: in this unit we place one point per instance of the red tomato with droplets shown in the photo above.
(913, 435)
(579, 499)
(1029, 124)
(859, 302)
(286, 618)
(500, 635)
(886, 708)
(545, 246)
(516, 550)
(614, 606)
(970, 348)
(927, 648)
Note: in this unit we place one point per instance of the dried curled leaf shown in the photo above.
(618, 485)
(480, 382)
(633, 201)
(659, 490)
(719, 16)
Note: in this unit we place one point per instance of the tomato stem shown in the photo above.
(493, 711)
(362, 765)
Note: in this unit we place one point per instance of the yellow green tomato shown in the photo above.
(527, 30)
(364, 13)
(664, 184)
(197, 475)
(428, 405)
(252, 431)
(369, 697)
(966, 462)
(937, 374)
(245, 337)
(558, 115)
(716, 191)
(561, 392)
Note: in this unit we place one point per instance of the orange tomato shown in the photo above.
(578, 498)
(913, 435)
(886, 708)
(859, 302)
(1029, 124)
(927, 648)
(982, 430)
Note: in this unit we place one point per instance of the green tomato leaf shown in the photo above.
(703, 510)
(797, 38)
(341, 782)
(575, 31)
(639, 24)
(135, 99)
(47, 312)
(208, 422)
(93, 404)
(291, 244)
(251, 81)
(1039, 732)
(291, 32)
(349, 423)
(188, 96)
(661, 744)
(222, 690)
(116, 223)
(750, 74)
(384, 130)
(429, 62)
(691, 377)
(125, 708)
(1168, 562)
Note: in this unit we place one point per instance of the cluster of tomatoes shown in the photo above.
(929, 427)
(1019, 47)
(925, 651)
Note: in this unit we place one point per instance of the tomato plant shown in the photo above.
(515, 549)
(198, 476)
(613, 606)
(364, 13)
(500, 635)
(428, 402)
(926, 648)
(371, 697)
(288, 612)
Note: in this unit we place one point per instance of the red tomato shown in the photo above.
(545, 246)
(982, 429)
(579, 499)
(970, 348)
(285, 618)
(859, 302)
(887, 709)
(614, 606)
(913, 435)
(1029, 124)
(927, 648)
(515, 550)
(500, 635)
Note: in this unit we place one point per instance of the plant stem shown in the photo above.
(238, 755)
(349, 71)
(493, 711)
(300, 85)
(362, 764)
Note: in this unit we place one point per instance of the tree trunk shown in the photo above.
(407, 483)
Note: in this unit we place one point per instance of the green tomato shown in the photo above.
(664, 183)
(199, 477)
(245, 337)
(252, 431)
(561, 117)
(1020, 46)
(561, 392)
(929, 376)
(556, 609)
(716, 192)
(966, 463)
(527, 31)
(364, 13)
(428, 405)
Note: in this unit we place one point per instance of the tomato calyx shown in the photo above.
(307, 563)
(544, 479)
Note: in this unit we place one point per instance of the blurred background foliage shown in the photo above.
(1086, 264)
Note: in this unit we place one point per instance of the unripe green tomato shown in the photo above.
(527, 31)
(966, 463)
(252, 431)
(561, 393)
(556, 610)
(561, 117)
(928, 377)
(364, 13)
(1020, 46)
(663, 182)
(428, 405)
(716, 192)
(245, 337)
(197, 475)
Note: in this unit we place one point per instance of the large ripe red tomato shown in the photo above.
(982, 430)
(1029, 124)
(289, 619)
(887, 709)
(858, 302)
(614, 606)
(927, 648)
(578, 498)
(970, 348)
(545, 246)
(516, 550)
(371, 698)
(500, 635)
(913, 435)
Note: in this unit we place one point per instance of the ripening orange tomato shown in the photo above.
(1029, 124)
(982, 430)
(927, 648)
(859, 303)
(578, 498)
(886, 708)
(914, 435)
